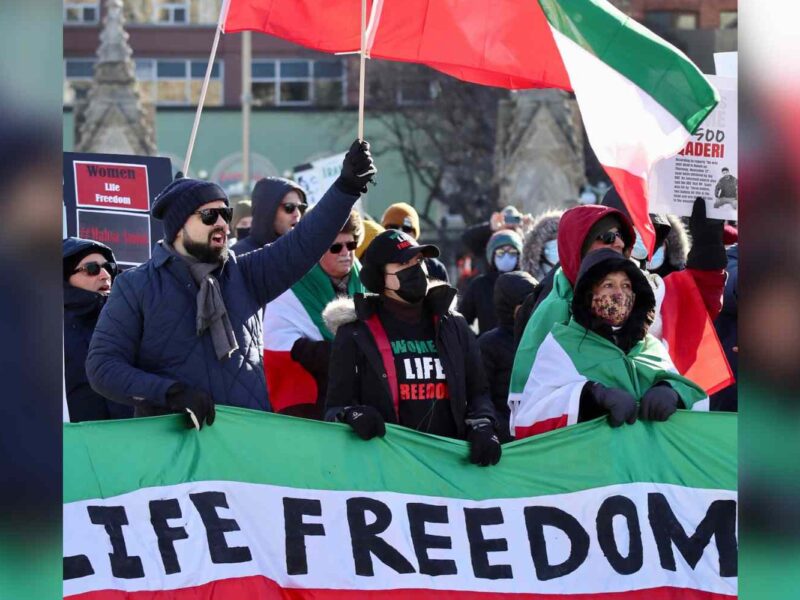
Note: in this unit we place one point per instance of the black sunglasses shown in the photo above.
(609, 236)
(336, 248)
(93, 268)
(209, 215)
(404, 228)
(290, 207)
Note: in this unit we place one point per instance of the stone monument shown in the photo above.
(112, 118)
(539, 157)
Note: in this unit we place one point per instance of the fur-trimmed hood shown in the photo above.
(344, 310)
(677, 243)
(544, 229)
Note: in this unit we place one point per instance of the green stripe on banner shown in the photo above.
(655, 66)
(106, 459)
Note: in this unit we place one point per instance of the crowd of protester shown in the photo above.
(326, 314)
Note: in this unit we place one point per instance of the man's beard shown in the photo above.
(203, 251)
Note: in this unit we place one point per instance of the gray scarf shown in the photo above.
(211, 311)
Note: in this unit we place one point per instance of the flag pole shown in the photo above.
(204, 88)
(362, 69)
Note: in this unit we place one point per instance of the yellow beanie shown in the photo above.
(371, 230)
(401, 214)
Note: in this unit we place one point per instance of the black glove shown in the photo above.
(197, 403)
(357, 169)
(366, 421)
(659, 402)
(708, 250)
(484, 446)
(620, 405)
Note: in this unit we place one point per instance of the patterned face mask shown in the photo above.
(614, 308)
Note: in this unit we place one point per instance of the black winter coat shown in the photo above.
(497, 350)
(478, 301)
(357, 374)
(81, 309)
(727, 399)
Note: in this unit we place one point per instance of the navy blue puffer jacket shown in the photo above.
(146, 340)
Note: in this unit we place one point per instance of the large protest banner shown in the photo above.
(266, 506)
(107, 198)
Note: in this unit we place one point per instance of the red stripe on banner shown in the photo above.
(540, 427)
(288, 383)
(693, 343)
(633, 191)
(261, 588)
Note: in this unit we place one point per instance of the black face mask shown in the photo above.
(413, 284)
(242, 232)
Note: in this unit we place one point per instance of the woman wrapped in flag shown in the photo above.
(604, 361)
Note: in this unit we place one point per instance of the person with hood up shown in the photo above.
(89, 270)
(727, 328)
(278, 205)
(401, 355)
(241, 222)
(540, 246)
(297, 344)
(476, 237)
(498, 345)
(182, 332)
(603, 361)
(404, 217)
(503, 255)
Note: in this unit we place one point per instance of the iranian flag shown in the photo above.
(640, 97)
(262, 506)
(295, 314)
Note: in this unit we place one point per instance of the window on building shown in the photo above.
(178, 82)
(665, 20)
(81, 12)
(411, 92)
(78, 73)
(728, 19)
(298, 82)
(171, 12)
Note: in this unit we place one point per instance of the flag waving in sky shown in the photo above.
(640, 97)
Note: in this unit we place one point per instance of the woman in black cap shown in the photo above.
(401, 355)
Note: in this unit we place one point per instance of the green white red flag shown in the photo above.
(640, 97)
(265, 506)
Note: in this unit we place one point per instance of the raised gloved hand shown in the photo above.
(366, 421)
(196, 403)
(708, 250)
(484, 445)
(620, 405)
(658, 403)
(358, 169)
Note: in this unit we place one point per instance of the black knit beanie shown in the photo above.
(176, 202)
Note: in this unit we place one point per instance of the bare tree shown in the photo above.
(444, 131)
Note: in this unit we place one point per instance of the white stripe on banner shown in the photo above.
(343, 540)
(626, 127)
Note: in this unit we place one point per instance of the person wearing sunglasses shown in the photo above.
(503, 256)
(89, 270)
(402, 355)
(278, 205)
(297, 344)
(404, 217)
(183, 331)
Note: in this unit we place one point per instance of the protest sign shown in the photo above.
(706, 166)
(317, 176)
(262, 505)
(726, 64)
(107, 198)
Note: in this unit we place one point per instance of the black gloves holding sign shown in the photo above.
(484, 445)
(366, 421)
(358, 169)
(659, 403)
(197, 403)
(619, 404)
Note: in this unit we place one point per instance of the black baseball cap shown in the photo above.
(395, 246)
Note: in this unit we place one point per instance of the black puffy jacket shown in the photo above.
(357, 374)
